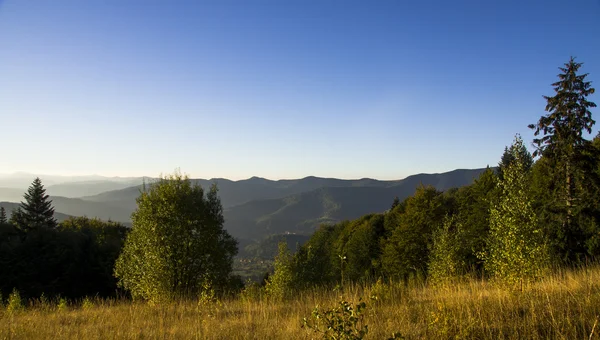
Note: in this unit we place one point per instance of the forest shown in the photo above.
(418, 270)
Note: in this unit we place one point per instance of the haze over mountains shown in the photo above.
(253, 208)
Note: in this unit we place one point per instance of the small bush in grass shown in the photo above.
(346, 321)
(62, 305)
(15, 303)
(207, 301)
(87, 304)
(252, 292)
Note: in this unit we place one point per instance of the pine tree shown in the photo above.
(562, 143)
(3, 219)
(37, 211)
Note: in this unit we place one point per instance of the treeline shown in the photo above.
(512, 224)
(72, 259)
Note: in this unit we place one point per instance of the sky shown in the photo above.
(280, 89)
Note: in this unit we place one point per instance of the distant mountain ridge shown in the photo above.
(303, 212)
(257, 207)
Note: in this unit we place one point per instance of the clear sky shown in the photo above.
(281, 88)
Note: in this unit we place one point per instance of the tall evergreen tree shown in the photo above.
(561, 141)
(37, 211)
(3, 219)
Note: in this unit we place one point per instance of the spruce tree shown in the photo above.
(37, 211)
(3, 219)
(563, 145)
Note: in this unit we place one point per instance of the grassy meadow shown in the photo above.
(565, 305)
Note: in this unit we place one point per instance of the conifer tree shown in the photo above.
(37, 211)
(508, 158)
(563, 145)
(3, 219)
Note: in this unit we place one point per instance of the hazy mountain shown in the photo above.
(302, 213)
(11, 194)
(22, 180)
(257, 207)
(233, 193)
(9, 206)
(79, 207)
(89, 188)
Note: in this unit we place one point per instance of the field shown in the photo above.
(563, 306)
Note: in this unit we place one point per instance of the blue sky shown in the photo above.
(279, 89)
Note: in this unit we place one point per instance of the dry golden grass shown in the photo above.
(564, 306)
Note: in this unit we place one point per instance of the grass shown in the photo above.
(563, 306)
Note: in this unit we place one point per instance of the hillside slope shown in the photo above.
(302, 213)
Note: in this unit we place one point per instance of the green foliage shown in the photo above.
(565, 186)
(406, 250)
(473, 214)
(74, 260)
(517, 249)
(87, 303)
(447, 260)
(346, 321)
(177, 241)
(357, 248)
(315, 262)
(568, 113)
(508, 158)
(251, 292)
(62, 305)
(280, 285)
(37, 211)
(15, 303)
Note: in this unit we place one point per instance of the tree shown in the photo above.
(395, 203)
(177, 242)
(405, 252)
(562, 141)
(280, 285)
(517, 250)
(508, 158)
(37, 211)
(3, 219)
(447, 260)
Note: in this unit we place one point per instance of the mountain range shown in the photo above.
(253, 208)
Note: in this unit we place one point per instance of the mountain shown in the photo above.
(79, 207)
(89, 188)
(233, 193)
(302, 213)
(22, 180)
(9, 206)
(257, 207)
(11, 194)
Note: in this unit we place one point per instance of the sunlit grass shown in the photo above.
(566, 305)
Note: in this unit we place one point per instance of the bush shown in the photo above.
(15, 303)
